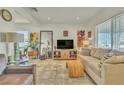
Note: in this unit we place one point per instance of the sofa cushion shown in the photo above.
(85, 51)
(115, 59)
(93, 50)
(93, 63)
(16, 79)
(101, 52)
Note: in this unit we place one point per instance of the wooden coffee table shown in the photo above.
(75, 68)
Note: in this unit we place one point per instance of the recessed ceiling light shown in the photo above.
(49, 18)
(77, 18)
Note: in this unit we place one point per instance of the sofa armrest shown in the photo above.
(112, 73)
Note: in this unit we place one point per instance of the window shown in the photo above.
(26, 39)
(110, 34)
(118, 32)
(104, 34)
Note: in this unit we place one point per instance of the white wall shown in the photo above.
(59, 28)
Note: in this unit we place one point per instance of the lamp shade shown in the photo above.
(14, 37)
(2, 37)
(11, 37)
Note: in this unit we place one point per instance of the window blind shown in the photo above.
(118, 32)
(104, 34)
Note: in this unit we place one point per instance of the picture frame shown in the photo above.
(90, 34)
(65, 33)
(80, 37)
(6, 15)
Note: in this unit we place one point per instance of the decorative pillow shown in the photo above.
(115, 59)
(106, 56)
(93, 50)
(101, 52)
(97, 54)
(85, 51)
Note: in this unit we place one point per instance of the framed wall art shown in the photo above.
(80, 38)
(65, 33)
(90, 34)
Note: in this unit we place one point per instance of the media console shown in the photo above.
(65, 54)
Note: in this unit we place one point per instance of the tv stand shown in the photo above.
(65, 54)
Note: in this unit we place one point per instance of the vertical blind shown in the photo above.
(110, 34)
(118, 31)
(104, 34)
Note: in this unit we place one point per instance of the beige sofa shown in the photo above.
(101, 69)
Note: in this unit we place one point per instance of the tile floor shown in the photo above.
(54, 72)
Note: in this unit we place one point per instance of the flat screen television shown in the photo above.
(65, 44)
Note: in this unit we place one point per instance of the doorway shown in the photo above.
(46, 44)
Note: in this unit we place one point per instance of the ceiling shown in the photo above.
(64, 15)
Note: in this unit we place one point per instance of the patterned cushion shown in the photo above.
(115, 59)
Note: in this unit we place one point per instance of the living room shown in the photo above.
(61, 45)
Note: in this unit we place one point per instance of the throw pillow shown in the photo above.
(85, 51)
(101, 52)
(106, 56)
(93, 50)
(115, 59)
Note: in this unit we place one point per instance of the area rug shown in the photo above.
(54, 72)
